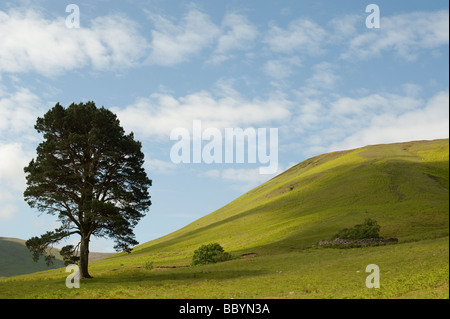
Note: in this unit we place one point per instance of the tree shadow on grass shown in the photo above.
(191, 274)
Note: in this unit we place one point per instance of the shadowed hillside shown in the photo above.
(16, 259)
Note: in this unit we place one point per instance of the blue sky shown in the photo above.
(311, 69)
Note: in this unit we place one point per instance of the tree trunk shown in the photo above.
(84, 257)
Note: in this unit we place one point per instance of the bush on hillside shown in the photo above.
(368, 229)
(211, 253)
(148, 265)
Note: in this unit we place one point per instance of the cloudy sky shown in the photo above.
(311, 69)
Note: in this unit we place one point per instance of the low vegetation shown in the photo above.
(209, 254)
(368, 229)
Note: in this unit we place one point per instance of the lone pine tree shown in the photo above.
(90, 174)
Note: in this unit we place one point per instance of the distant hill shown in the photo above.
(16, 259)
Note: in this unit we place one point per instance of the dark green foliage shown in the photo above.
(208, 254)
(69, 255)
(39, 245)
(90, 174)
(368, 229)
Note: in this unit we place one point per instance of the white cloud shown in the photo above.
(329, 122)
(310, 112)
(237, 33)
(31, 42)
(378, 103)
(113, 42)
(159, 114)
(324, 76)
(405, 34)
(7, 210)
(12, 178)
(281, 68)
(12, 161)
(425, 123)
(213, 173)
(157, 166)
(301, 36)
(18, 112)
(342, 27)
(242, 179)
(7, 206)
(174, 43)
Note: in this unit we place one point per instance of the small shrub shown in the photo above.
(208, 254)
(148, 265)
(368, 229)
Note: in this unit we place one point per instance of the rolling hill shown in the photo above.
(273, 230)
(403, 186)
(16, 259)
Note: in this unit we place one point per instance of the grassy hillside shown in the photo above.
(16, 259)
(403, 186)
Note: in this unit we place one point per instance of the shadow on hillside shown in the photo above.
(194, 274)
(16, 259)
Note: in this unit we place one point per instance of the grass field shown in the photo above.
(410, 270)
(403, 186)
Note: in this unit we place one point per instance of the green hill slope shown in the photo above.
(403, 186)
(16, 259)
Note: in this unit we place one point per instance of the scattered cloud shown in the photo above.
(405, 34)
(324, 76)
(8, 206)
(12, 161)
(241, 179)
(175, 43)
(300, 36)
(423, 123)
(344, 122)
(237, 33)
(373, 104)
(345, 26)
(30, 42)
(282, 68)
(157, 166)
(18, 112)
(12, 178)
(159, 114)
